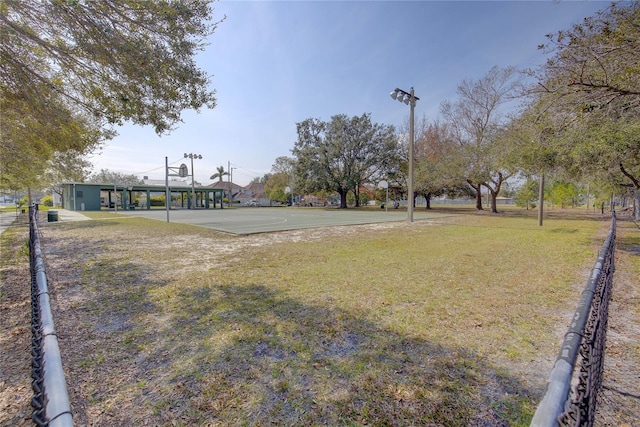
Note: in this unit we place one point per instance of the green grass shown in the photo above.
(445, 322)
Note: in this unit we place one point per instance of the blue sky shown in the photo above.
(276, 63)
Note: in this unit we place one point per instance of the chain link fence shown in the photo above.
(50, 399)
(576, 378)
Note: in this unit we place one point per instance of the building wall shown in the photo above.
(86, 196)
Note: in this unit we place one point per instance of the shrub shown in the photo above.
(156, 201)
(46, 201)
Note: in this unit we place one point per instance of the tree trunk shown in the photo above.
(541, 200)
(343, 199)
(495, 191)
(477, 189)
(494, 197)
(494, 202)
(636, 187)
(428, 199)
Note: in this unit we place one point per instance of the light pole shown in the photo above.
(410, 99)
(193, 177)
(231, 185)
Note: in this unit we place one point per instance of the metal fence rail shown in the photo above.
(50, 397)
(581, 358)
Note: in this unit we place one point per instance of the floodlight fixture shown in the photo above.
(404, 96)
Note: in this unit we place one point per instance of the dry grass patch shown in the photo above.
(15, 327)
(447, 322)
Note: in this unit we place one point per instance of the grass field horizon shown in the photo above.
(450, 321)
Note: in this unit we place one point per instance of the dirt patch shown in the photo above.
(619, 400)
(15, 324)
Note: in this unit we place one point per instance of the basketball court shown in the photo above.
(264, 220)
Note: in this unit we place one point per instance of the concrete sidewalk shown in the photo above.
(8, 219)
(65, 215)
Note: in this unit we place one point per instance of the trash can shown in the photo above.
(52, 216)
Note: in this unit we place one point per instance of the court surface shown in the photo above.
(265, 220)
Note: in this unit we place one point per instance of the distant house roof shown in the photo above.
(256, 189)
(224, 185)
(243, 197)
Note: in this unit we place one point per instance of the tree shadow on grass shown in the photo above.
(249, 355)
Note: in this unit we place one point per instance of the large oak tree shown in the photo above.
(342, 154)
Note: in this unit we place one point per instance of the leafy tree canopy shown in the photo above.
(433, 148)
(275, 185)
(69, 67)
(527, 194)
(594, 77)
(595, 67)
(30, 135)
(67, 166)
(283, 164)
(342, 154)
(106, 176)
(117, 59)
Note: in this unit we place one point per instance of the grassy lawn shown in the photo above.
(454, 321)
